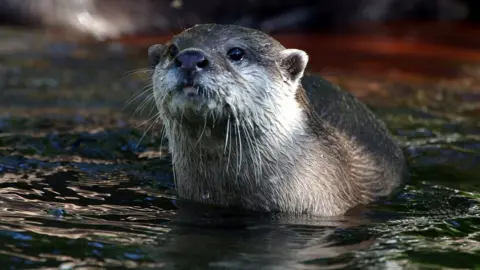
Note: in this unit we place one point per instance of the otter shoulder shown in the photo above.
(376, 159)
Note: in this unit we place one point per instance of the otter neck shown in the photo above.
(226, 170)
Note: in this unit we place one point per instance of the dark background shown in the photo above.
(146, 16)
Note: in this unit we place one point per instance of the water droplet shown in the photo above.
(205, 196)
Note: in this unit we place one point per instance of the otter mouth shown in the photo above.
(191, 92)
(193, 103)
(190, 89)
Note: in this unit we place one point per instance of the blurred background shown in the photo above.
(109, 18)
(338, 34)
(84, 184)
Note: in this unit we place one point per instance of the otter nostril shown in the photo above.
(202, 64)
(191, 60)
(178, 63)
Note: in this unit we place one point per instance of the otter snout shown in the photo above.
(190, 63)
(191, 60)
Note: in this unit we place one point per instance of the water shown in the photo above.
(82, 188)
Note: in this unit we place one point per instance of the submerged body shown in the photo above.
(247, 129)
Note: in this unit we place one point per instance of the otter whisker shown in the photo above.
(152, 108)
(255, 144)
(138, 71)
(148, 120)
(163, 134)
(182, 116)
(146, 89)
(247, 140)
(257, 149)
(140, 109)
(198, 90)
(156, 117)
(251, 151)
(162, 101)
(143, 90)
(229, 139)
(148, 101)
(156, 121)
(212, 113)
(203, 130)
(239, 151)
(172, 151)
(226, 135)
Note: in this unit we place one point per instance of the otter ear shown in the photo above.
(154, 55)
(294, 62)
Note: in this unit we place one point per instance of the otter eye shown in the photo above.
(236, 54)
(172, 51)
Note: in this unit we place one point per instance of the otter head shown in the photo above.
(211, 73)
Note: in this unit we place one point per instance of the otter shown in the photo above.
(248, 127)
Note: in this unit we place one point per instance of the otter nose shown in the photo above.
(191, 60)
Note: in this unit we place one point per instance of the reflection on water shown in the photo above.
(81, 186)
